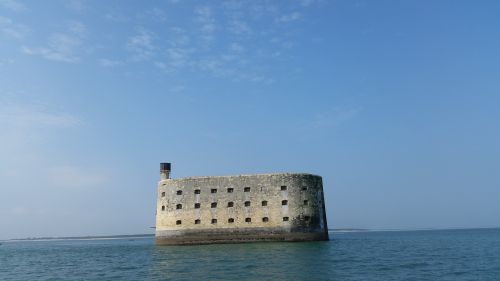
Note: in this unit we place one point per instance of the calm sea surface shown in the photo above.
(401, 255)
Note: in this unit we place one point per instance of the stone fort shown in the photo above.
(241, 208)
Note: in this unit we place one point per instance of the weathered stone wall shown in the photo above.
(258, 211)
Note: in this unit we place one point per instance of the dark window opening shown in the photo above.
(163, 194)
(178, 206)
(230, 190)
(213, 205)
(178, 222)
(283, 187)
(197, 221)
(196, 205)
(197, 191)
(284, 202)
(285, 218)
(247, 203)
(214, 220)
(246, 189)
(304, 188)
(307, 218)
(265, 219)
(264, 203)
(306, 202)
(248, 220)
(163, 208)
(179, 192)
(230, 204)
(230, 220)
(213, 190)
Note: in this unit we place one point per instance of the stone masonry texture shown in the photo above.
(243, 208)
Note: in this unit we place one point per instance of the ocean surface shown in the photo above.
(383, 255)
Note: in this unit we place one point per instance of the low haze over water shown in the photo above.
(387, 255)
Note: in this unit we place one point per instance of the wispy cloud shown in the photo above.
(239, 27)
(154, 14)
(30, 117)
(204, 16)
(289, 17)
(62, 46)
(193, 44)
(109, 62)
(11, 29)
(13, 5)
(141, 45)
(76, 5)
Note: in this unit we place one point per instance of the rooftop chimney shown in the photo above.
(165, 169)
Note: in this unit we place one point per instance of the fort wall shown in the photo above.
(243, 208)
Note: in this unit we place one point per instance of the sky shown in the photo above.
(396, 104)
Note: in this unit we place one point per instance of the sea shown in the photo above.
(465, 254)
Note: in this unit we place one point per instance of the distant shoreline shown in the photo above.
(144, 236)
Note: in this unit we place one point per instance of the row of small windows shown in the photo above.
(231, 220)
(229, 190)
(231, 204)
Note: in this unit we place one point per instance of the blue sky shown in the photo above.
(394, 103)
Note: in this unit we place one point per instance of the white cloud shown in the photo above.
(78, 6)
(116, 17)
(207, 23)
(179, 37)
(25, 129)
(235, 47)
(239, 27)
(289, 17)
(109, 63)
(62, 46)
(30, 117)
(12, 5)
(11, 29)
(78, 29)
(154, 14)
(141, 45)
